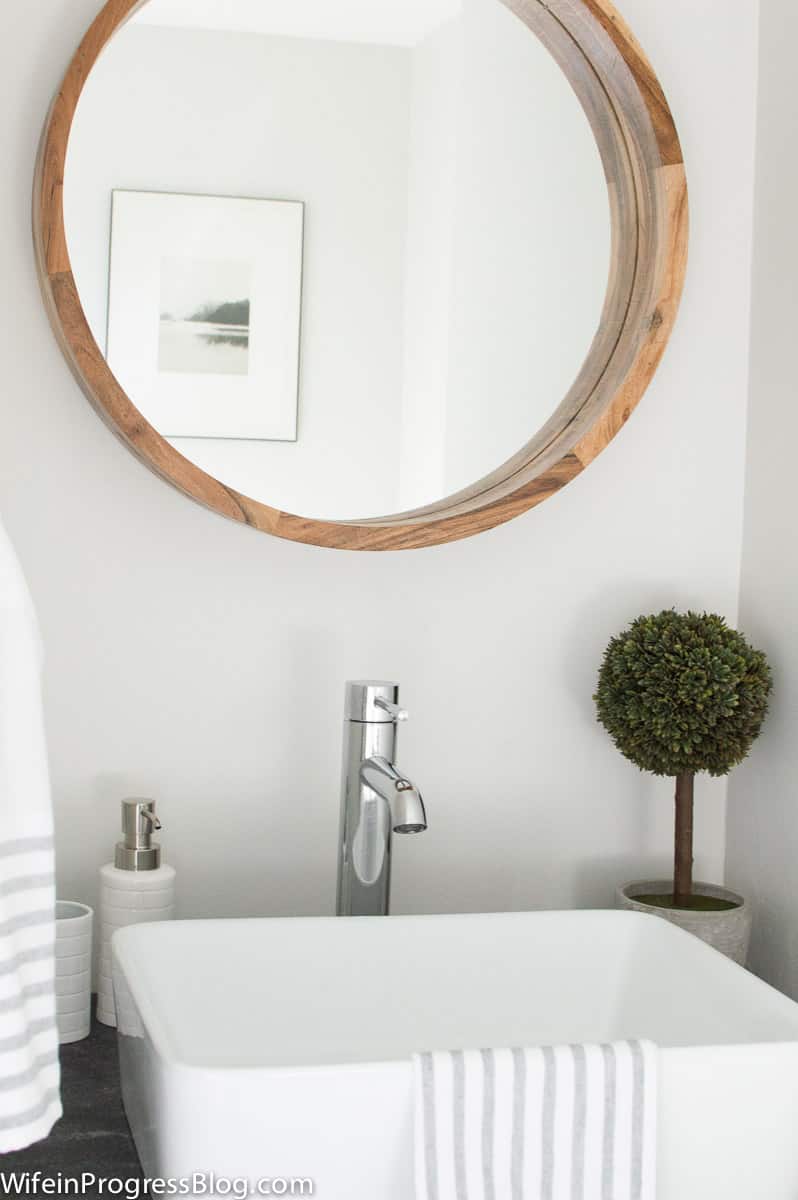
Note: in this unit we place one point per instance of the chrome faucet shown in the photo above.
(376, 799)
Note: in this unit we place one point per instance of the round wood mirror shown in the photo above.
(409, 262)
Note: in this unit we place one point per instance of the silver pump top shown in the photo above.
(137, 851)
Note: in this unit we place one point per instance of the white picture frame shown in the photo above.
(204, 312)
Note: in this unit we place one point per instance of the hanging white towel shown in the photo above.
(29, 1074)
(553, 1123)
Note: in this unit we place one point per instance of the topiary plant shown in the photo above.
(678, 694)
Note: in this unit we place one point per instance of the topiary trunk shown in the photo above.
(683, 856)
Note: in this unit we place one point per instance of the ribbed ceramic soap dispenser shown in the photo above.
(134, 889)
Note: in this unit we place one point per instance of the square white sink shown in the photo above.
(281, 1048)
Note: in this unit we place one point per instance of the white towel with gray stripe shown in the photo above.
(553, 1123)
(29, 1075)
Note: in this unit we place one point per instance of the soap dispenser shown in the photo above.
(135, 888)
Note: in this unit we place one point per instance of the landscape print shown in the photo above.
(204, 317)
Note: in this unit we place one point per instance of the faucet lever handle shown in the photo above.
(393, 710)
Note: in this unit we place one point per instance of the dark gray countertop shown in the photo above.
(93, 1134)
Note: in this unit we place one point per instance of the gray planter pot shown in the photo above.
(729, 932)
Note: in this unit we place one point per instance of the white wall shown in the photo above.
(763, 810)
(508, 249)
(322, 122)
(531, 245)
(205, 663)
(436, 91)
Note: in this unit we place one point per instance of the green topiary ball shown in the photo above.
(683, 692)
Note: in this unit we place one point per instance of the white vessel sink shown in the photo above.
(280, 1048)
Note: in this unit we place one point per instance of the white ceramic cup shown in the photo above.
(73, 929)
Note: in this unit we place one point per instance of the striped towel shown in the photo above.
(554, 1123)
(29, 1074)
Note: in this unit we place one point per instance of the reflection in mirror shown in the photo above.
(359, 248)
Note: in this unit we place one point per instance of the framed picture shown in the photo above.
(204, 307)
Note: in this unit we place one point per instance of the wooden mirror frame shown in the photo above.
(643, 163)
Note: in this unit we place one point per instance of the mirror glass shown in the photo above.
(348, 256)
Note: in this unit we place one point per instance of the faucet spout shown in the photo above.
(403, 797)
